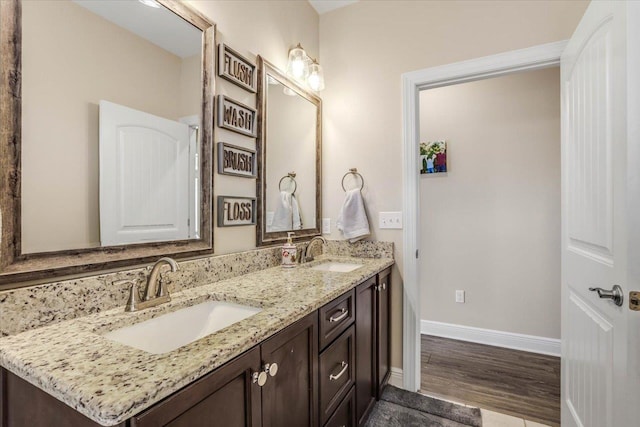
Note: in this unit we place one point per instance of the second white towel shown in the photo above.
(352, 220)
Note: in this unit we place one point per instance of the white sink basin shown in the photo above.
(337, 267)
(176, 329)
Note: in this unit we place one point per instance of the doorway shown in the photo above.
(534, 58)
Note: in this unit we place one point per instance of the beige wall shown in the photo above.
(491, 225)
(70, 63)
(365, 48)
(270, 29)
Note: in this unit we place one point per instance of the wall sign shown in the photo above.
(235, 116)
(238, 161)
(234, 211)
(235, 68)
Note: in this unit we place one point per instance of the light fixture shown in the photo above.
(304, 69)
(150, 3)
(316, 77)
(298, 64)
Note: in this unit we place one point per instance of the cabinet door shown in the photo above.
(226, 397)
(290, 398)
(366, 348)
(383, 330)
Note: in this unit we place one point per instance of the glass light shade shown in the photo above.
(316, 77)
(298, 64)
(150, 3)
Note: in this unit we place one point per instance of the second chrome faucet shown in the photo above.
(155, 292)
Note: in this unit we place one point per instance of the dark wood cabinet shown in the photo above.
(337, 373)
(290, 398)
(331, 367)
(228, 395)
(372, 342)
(24, 405)
(366, 385)
(383, 306)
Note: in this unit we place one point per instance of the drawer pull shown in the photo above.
(344, 365)
(343, 313)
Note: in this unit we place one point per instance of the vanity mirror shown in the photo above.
(106, 135)
(289, 158)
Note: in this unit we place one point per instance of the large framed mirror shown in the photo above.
(289, 184)
(106, 135)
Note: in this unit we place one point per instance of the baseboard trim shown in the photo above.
(395, 379)
(531, 343)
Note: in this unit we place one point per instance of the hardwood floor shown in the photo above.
(526, 385)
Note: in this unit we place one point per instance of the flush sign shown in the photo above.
(235, 68)
(235, 116)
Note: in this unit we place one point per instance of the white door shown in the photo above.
(599, 377)
(144, 177)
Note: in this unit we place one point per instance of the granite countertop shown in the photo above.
(110, 382)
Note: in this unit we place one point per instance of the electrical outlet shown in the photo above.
(460, 296)
(390, 220)
(326, 225)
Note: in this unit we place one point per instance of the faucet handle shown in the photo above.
(162, 288)
(134, 294)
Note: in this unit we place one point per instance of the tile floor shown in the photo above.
(495, 419)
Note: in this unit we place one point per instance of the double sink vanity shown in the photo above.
(240, 341)
(307, 346)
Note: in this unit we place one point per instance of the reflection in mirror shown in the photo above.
(111, 108)
(105, 149)
(289, 146)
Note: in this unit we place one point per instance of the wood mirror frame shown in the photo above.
(264, 238)
(18, 269)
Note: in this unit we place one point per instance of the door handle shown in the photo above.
(614, 294)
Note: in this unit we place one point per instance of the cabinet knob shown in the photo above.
(271, 369)
(259, 378)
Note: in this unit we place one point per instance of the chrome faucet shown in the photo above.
(155, 293)
(306, 253)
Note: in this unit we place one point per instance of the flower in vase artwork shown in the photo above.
(433, 157)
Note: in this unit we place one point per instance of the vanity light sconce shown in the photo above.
(304, 69)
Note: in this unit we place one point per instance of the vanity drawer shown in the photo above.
(337, 373)
(345, 415)
(335, 317)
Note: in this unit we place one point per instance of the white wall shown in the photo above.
(491, 225)
(365, 48)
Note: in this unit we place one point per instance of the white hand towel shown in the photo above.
(295, 213)
(282, 217)
(352, 220)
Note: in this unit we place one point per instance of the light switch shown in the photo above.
(390, 220)
(326, 225)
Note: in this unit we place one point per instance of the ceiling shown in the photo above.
(324, 6)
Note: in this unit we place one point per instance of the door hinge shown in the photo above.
(417, 253)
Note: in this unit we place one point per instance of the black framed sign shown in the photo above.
(234, 211)
(236, 116)
(237, 161)
(236, 68)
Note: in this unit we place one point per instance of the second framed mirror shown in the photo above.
(289, 158)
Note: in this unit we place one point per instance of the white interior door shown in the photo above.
(598, 380)
(144, 177)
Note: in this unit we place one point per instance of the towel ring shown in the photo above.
(353, 171)
(292, 177)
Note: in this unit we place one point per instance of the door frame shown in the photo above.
(529, 59)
